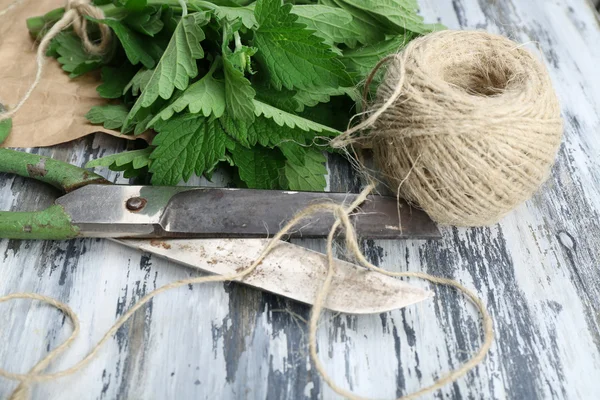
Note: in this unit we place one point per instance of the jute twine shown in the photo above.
(76, 11)
(74, 16)
(478, 112)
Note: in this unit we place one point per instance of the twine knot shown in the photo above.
(77, 11)
(75, 15)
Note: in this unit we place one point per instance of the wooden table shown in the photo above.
(538, 271)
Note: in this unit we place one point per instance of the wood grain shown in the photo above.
(538, 271)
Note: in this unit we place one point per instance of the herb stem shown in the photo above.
(184, 10)
(238, 47)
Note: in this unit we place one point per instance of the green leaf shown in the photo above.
(282, 99)
(110, 115)
(364, 19)
(177, 65)
(239, 130)
(308, 175)
(5, 128)
(239, 94)
(283, 118)
(207, 96)
(336, 25)
(293, 152)
(72, 56)
(115, 80)
(401, 13)
(230, 14)
(258, 167)
(142, 125)
(132, 5)
(132, 43)
(290, 54)
(135, 159)
(312, 97)
(139, 81)
(148, 21)
(268, 134)
(265, 132)
(186, 145)
(362, 60)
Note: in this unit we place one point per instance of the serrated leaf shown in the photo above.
(207, 96)
(132, 42)
(177, 65)
(363, 18)
(137, 158)
(139, 81)
(308, 175)
(312, 97)
(239, 130)
(282, 99)
(147, 21)
(266, 132)
(289, 52)
(245, 14)
(401, 13)
(239, 94)
(258, 167)
(115, 80)
(142, 125)
(110, 115)
(72, 56)
(282, 118)
(336, 25)
(362, 60)
(186, 145)
(293, 152)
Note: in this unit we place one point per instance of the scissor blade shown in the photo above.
(175, 212)
(291, 271)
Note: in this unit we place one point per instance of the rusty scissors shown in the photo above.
(217, 230)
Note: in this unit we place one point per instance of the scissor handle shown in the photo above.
(53, 222)
(65, 177)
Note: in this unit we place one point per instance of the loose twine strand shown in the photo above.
(75, 15)
(342, 215)
(12, 5)
(346, 139)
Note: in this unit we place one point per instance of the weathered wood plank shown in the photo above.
(538, 271)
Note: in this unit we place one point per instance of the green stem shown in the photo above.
(184, 10)
(238, 47)
(64, 176)
(215, 64)
(51, 224)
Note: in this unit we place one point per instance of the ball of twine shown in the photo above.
(466, 125)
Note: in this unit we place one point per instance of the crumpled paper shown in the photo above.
(55, 112)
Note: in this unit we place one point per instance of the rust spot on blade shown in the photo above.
(160, 243)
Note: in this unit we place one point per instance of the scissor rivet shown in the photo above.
(135, 203)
